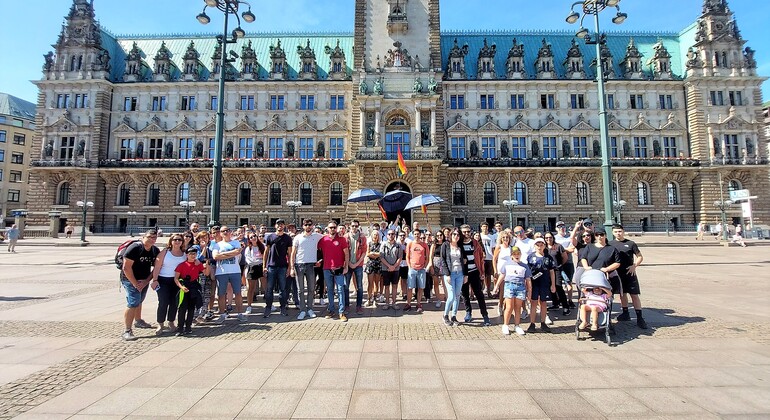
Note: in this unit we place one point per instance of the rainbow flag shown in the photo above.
(401, 164)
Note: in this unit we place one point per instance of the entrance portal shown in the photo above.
(406, 215)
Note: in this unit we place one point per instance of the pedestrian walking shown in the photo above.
(12, 233)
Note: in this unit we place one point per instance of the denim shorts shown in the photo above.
(134, 297)
(233, 278)
(515, 291)
(416, 279)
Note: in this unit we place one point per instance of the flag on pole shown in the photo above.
(424, 209)
(382, 211)
(401, 164)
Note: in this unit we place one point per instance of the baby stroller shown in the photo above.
(592, 279)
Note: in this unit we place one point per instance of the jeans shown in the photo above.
(335, 282)
(474, 283)
(167, 300)
(276, 275)
(359, 272)
(305, 281)
(453, 283)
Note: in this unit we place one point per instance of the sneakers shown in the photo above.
(129, 336)
(343, 318)
(641, 323)
(506, 330)
(625, 316)
(209, 316)
(438, 304)
(141, 324)
(419, 309)
(179, 333)
(519, 330)
(524, 314)
(242, 317)
(381, 299)
(566, 312)
(248, 310)
(301, 315)
(468, 317)
(311, 314)
(274, 309)
(329, 315)
(284, 312)
(359, 310)
(486, 321)
(531, 328)
(548, 320)
(447, 321)
(544, 327)
(221, 319)
(266, 314)
(455, 322)
(407, 307)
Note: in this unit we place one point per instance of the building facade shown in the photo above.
(480, 117)
(17, 126)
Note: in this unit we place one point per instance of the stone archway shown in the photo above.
(406, 215)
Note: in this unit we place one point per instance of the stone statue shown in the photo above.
(378, 87)
(504, 151)
(140, 150)
(656, 148)
(535, 149)
(370, 135)
(260, 149)
(692, 59)
(597, 148)
(748, 58)
(48, 66)
(717, 146)
(474, 149)
(432, 85)
(81, 149)
(290, 149)
(363, 88)
(199, 150)
(565, 149)
(320, 150)
(749, 148)
(627, 149)
(417, 86)
(425, 135)
(229, 150)
(168, 150)
(49, 149)
(103, 60)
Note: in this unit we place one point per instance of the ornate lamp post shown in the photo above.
(619, 206)
(329, 214)
(510, 205)
(187, 206)
(264, 213)
(196, 215)
(131, 215)
(667, 216)
(294, 205)
(85, 205)
(723, 205)
(531, 217)
(227, 7)
(594, 7)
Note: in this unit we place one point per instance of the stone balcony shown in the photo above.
(570, 162)
(227, 163)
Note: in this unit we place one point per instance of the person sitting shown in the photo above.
(596, 300)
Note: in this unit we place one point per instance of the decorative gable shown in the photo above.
(642, 124)
(335, 125)
(249, 64)
(514, 66)
(134, 65)
(211, 125)
(337, 65)
(582, 125)
(486, 63)
(520, 125)
(544, 63)
(244, 125)
(307, 62)
(661, 62)
(279, 69)
(551, 124)
(305, 125)
(734, 122)
(672, 124)
(456, 64)
(574, 62)
(153, 125)
(64, 123)
(274, 124)
(183, 126)
(162, 72)
(459, 126)
(632, 62)
(191, 62)
(124, 127)
(490, 125)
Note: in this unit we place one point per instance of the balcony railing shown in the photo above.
(227, 163)
(567, 162)
(416, 155)
(748, 160)
(79, 163)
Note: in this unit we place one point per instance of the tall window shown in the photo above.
(488, 147)
(276, 102)
(666, 102)
(17, 157)
(717, 97)
(155, 151)
(490, 193)
(124, 194)
(159, 103)
(306, 193)
(247, 102)
(153, 194)
(640, 147)
(212, 147)
(130, 103)
(209, 194)
(244, 194)
(306, 148)
(615, 190)
(517, 101)
(637, 102)
(184, 192)
(457, 101)
(518, 147)
(577, 101)
(185, 148)
(610, 101)
(731, 146)
(337, 102)
(187, 103)
(335, 193)
(81, 100)
(458, 194)
(551, 193)
(736, 97)
(336, 148)
(63, 195)
(63, 100)
(2, 136)
(19, 139)
(306, 102)
(669, 147)
(14, 196)
(67, 148)
(213, 103)
(274, 198)
(580, 147)
(547, 101)
(457, 147)
(394, 140)
(127, 147)
(613, 147)
(583, 199)
(275, 148)
(643, 193)
(520, 193)
(672, 192)
(245, 148)
(734, 185)
(2, 155)
(487, 101)
(549, 148)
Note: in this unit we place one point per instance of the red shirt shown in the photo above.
(189, 269)
(333, 249)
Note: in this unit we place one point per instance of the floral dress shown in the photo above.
(373, 265)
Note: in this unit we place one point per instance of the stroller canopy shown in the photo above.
(594, 278)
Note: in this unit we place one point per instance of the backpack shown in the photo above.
(120, 253)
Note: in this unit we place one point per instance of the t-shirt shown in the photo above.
(515, 272)
(307, 247)
(468, 253)
(418, 255)
(143, 259)
(541, 267)
(564, 241)
(13, 234)
(189, 271)
(626, 251)
(527, 247)
(599, 258)
(556, 253)
(488, 241)
(333, 249)
(403, 251)
(390, 253)
(279, 249)
(229, 265)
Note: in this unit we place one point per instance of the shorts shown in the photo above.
(255, 272)
(403, 272)
(513, 290)
(389, 277)
(416, 279)
(233, 278)
(629, 282)
(541, 290)
(134, 297)
(488, 269)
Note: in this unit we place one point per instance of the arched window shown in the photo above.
(672, 192)
(520, 193)
(63, 194)
(551, 194)
(583, 197)
(184, 192)
(153, 194)
(124, 194)
(734, 185)
(306, 193)
(209, 194)
(643, 193)
(335, 194)
(244, 194)
(458, 194)
(490, 193)
(274, 198)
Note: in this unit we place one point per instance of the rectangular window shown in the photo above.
(637, 102)
(81, 100)
(518, 147)
(580, 147)
(669, 147)
(14, 196)
(245, 148)
(247, 102)
(130, 103)
(549, 148)
(457, 147)
(488, 147)
(610, 101)
(188, 103)
(15, 176)
(1, 175)
(640, 147)
(213, 103)
(337, 102)
(19, 139)
(275, 148)
(306, 102)
(127, 147)
(155, 151)
(276, 102)
(613, 147)
(717, 97)
(517, 101)
(306, 148)
(395, 140)
(212, 147)
(547, 101)
(67, 148)
(185, 148)
(337, 148)
(17, 157)
(63, 100)
(457, 101)
(2, 136)
(666, 102)
(736, 97)
(577, 101)
(487, 101)
(731, 146)
(2, 155)
(158, 103)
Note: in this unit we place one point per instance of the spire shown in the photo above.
(715, 7)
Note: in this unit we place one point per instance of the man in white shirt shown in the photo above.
(526, 245)
(488, 240)
(302, 262)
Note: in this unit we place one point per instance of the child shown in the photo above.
(518, 281)
(596, 301)
(186, 278)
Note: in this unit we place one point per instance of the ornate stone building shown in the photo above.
(127, 121)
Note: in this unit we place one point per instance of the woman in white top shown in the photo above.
(500, 257)
(163, 281)
(254, 256)
(455, 264)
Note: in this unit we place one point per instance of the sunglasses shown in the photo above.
(587, 235)
(308, 224)
(588, 224)
(391, 234)
(599, 234)
(252, 237)
(225, 230)
(177, 240)
(354, 225)
(518, 232)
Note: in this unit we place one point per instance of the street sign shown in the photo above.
(737, 195)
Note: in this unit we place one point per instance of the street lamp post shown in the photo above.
(85, 205)
(131, 216)
(264, 213)
(187, 206)
(667, 216)
(723, 205)
(329, 214)
(510, 205)
(531, 218)
(294, 205)
(594, 7)
(619, 206)
(227, 7)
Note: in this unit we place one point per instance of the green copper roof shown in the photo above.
(16, 107)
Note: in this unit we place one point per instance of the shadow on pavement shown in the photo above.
(20, 298)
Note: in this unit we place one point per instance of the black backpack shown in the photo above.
(122, 251)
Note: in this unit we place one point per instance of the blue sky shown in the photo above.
(28, 32)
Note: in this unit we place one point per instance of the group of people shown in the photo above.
(202, 275)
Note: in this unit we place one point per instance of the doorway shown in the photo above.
(62, 224)
(122, 225)
(406, 215)
(551, 224)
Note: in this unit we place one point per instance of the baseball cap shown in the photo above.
(193, 249)
(600, 230)
(539, 240)
(588, 222)
(560, 223)
(280, 222)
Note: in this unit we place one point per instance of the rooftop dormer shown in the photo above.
(162, 72)
(249, 64)
(574, 62)
(661, 62)
(279, 70)
(632, 62)
(191, 63)
(456, 64)
(486, 64)
(337, 65)
(514, 66)
(307, 62)
(544, 63)
(134, 65)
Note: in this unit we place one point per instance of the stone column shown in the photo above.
(433, 127)
(53, 226)
(418, 124)
(377, 142)
(362, 119)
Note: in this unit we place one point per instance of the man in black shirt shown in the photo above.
(138, 262)
(277, 249)
(630, 258)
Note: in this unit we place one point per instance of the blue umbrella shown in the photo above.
(363, 195)
(395, 200)
(423, 200)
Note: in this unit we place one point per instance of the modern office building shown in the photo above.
(17, 125)
(127, 122)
